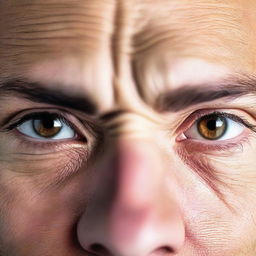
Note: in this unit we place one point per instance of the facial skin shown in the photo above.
(129, 174)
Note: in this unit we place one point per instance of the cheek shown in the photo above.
(47, 220)
(217, 189)
(37, 208)
(212, 226)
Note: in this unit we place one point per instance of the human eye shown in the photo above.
(45, 126)
(57, 139)
(217, 126)
(47, 129)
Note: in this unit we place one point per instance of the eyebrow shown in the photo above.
(37, 92)
(170, 101)
(187, 96)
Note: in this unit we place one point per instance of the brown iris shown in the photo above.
(212, 127)
(47, 126)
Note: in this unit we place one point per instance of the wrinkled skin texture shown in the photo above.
(132, 188)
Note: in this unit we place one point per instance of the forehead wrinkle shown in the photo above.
(59, 42)
(218, 33)
(79, 27)
(215, 33)
(183, 27)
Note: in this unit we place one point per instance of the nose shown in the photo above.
(133, 210)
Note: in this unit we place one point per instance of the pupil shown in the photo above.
(212, 124)
(48, 123)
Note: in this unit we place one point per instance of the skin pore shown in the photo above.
(127, 84)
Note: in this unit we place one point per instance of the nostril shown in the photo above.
(99, 250)
(163, 251)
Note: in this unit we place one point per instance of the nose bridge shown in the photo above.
(131, 174)
(138, 172)
(135, 159)
(132, 158)
(131, 124)
(131, 211)
(140, 195)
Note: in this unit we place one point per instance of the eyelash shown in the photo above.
(187, 123)
(64, 120)
(233, 117)
(37, 115)
(207, 145)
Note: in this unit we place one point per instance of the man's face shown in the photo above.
(127, 128)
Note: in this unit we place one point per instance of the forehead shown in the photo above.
(90, 41)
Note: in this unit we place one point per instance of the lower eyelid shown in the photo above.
(61, 164)
(234, 145)
(28, 145)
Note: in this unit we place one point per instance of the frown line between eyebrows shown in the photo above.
(37, 92)
(187, 96)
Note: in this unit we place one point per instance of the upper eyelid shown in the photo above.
(233, 117)
(196, 115)
(16, 116)
(30, 116)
